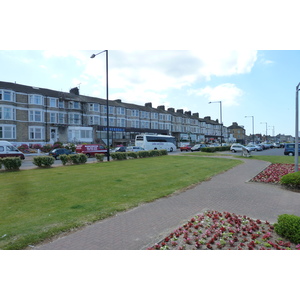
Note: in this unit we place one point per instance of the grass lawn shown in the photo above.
(40, 203)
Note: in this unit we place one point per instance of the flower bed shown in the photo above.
(214, 230)
(273, 173)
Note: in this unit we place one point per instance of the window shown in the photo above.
(53, 117)
(7, 132)
(154, 115)
(121, 122)
(7, 95)
(94, 107)
(61, 118)
(75, 119)
(74, 105)
(134, 113)
(61, 104)
(121, 111)
(36, 116)
(7, 113)
(94, 120)
(111, 109)
(36, 133)
(85, 134)
(52, 102)
(36, 99)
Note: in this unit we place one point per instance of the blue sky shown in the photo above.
(248, 82)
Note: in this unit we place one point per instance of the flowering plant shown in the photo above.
(224, 231)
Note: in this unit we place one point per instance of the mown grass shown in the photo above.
(40, 203)
(284, 159)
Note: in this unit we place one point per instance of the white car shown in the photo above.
(134, 149)
(236, 148)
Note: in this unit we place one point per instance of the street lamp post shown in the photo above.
(220, 117)
(107, 106)
(297, 130)
(252, 126)
(266, 128)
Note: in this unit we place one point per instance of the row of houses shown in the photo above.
(37, 115)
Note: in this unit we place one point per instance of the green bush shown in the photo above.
(153, 153)
(291, 180)
(0, 162)
(64, 159)
(99, 157)
(119, 155)
(143, 154)
(43, 161)
(132, 154)
(12, 163)
(163, 152)
(288, 226)
(208, 149)
(78, 158)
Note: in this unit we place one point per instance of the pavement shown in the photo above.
(147, 224)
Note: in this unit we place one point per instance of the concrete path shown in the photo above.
(147, 224)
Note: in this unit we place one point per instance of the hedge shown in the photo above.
(11, 163)
(43, 161)
(73, 159)
(291, 180)
(288, 226)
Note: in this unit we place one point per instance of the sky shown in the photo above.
(248, 83)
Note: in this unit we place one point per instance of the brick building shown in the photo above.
(37, 115)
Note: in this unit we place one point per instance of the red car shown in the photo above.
(186, 148)
(91, 150)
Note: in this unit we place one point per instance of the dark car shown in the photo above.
(120, 149)
(60, 151)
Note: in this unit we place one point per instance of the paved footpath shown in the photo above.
(147, 224)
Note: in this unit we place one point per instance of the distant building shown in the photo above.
(237, 132)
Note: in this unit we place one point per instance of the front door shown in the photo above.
(53, 135)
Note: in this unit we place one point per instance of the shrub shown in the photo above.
(43, 161)
(208, 149)
(71, 147)
(24, 148)
(99, 157)
(36, 146)
(0, 162)
(77, 158)
(143, 154)
(288, 226)
(12, 163)
(58, 145)
(119, 155)
(132, 154)
(291, 180)
(163, 152)
(64, 159)
(153, 153)
(46, 148)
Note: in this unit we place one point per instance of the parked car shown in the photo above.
(186, 148)
(134, 149)
(253, 147)
(197, 147)
(236, 148)
(91, 150)
(289, 149)
(8, 150)
(120, 149)
(60, 151)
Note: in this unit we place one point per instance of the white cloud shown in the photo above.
(228, 93)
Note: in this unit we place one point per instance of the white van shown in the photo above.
(8, 150)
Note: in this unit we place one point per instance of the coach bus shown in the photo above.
(156, 142)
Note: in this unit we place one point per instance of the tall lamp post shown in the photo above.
(252, 126)
(220, 117)
(297, 130)
(266, 128)
(107, 106)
